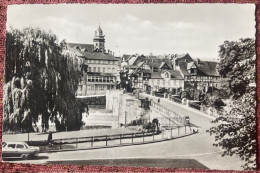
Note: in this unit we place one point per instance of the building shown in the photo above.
(100, 66)
(171, 73)
(198, 74)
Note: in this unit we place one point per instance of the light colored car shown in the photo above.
(18, 150)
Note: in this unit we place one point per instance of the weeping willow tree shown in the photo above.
(41, 79)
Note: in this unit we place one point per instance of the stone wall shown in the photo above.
(125, 106)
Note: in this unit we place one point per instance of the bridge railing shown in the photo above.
(167, 113)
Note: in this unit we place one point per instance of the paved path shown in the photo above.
(198, 147)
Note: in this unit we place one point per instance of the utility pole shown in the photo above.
(125, 118)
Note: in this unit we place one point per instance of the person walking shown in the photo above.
(50, 139)
(158, 100)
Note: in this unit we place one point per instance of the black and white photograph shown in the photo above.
(136, 85)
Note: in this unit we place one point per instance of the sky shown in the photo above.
(197, 29)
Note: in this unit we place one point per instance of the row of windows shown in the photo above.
(201, 77)
(102, 69)
(100, 87)
(163, 82)
(101, 79)
(101, 62)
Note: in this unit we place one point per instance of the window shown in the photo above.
(166, 75)
(100, 79)
(11, 145)
(20, 146)
(89, 78)
(98, 69)
(174, 83)
(108, 69)
(113, 70)
(90, 69)
(94, 69)
(104, 69)
(93, 79)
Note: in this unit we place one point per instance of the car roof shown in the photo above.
(15, 142)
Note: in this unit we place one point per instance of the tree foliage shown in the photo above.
(235, 131)
(237, 62)
(41, 79)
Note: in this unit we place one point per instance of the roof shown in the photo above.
(125, 57)
(156, 75)
(98, 56)
(82, 47)
(153, 64)
(207, 67)
(189, 65)
(174, 74)
(183, 68)
(183, 57)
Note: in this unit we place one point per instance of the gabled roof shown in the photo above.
(183, 57)
(207, 67)
(82, 47)
(134, 60)
(125, 57)
(165, 63)
(190, 64)
(183, 68)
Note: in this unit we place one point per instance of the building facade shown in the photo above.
(100, 67)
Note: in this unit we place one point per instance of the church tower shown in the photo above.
(99, 40)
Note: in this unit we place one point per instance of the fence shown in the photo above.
(119, 139)
(194, 105)
(175, 99)
(157, 94)
(160, 111)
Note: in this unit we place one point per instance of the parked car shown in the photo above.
(19, 150)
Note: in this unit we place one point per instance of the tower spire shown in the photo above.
(99, 40)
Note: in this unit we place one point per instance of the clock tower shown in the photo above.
(99, 40)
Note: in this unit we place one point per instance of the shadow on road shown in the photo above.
(160, 163)
(19, 159)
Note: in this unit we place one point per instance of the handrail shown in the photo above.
(116, 136)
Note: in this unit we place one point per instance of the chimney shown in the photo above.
(198, 61)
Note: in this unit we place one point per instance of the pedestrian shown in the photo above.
(50, 139)
(158, 100)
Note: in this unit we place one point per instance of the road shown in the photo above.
(195, 147)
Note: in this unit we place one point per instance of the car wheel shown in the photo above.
(24, 156)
